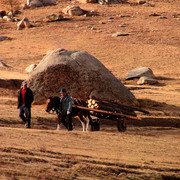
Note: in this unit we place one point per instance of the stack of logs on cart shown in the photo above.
(96, 103)
(105, 109)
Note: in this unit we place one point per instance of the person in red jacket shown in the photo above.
(25, 99)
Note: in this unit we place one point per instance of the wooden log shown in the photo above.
(113, 115)
(93, 101)
(96, 106)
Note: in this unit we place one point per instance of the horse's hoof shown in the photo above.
(58, 127)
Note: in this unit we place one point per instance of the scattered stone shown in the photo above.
(24, 6)
(106, 2)
(40, 3)
(120, 34)
(80, 73)
(90, 13)
(176, 15)
(146, 80)
(87, 1)
(2, 38)
(115, 2)
(154, 14)
(122, 25)
(147, 4)
(124, 16)
(13, 13)
(133, 3)
(89, 27)
(141, 2)
(34, 3)
(24, 23)
(7, 18)
(48, 2)
(2, 64)
(30, 68)
(139, 72)
(103, 2)
(73, 10)
(53, 17)
(93, 28)
(102, 22)
(162, 17)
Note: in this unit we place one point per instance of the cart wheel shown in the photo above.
(121, 125)
(95, 126)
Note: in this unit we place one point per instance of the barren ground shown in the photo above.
(149, 149)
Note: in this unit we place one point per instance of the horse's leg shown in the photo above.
(82, 121)
(58, 122)
(87, 123)
(94, 123)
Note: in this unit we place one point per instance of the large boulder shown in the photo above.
(80, 73)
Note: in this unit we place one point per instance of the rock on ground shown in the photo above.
(73, 10)
(139, 72)
(30, 68)
(146, 80)
(2, 64)
(80, 73)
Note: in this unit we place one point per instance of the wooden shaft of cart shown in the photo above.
(106, 112)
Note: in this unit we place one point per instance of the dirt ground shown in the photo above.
(150, 148)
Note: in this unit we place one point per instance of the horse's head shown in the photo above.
(52, 103)
(49, 104)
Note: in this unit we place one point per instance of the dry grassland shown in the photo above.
(149, 149)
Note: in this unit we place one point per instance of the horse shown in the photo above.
(83, 115)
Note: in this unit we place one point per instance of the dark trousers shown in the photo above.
(25, 114)
(66, 120)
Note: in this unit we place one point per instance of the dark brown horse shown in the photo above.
(83, 115)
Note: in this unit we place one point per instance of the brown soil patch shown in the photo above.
(148, 149)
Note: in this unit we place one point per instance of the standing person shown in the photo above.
(25, 99)
(65, 107)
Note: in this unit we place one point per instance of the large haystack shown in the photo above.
(80, 73)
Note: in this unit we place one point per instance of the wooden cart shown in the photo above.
(119, 117)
